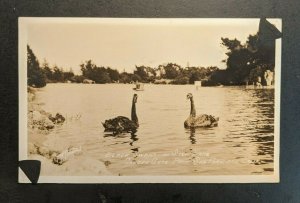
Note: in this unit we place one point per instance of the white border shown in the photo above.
(23, 23)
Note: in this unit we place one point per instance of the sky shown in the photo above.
(123, 43)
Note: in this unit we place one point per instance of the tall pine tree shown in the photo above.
(35, 75)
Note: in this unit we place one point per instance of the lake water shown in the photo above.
(242, 144)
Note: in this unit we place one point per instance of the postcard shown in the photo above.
(149, 100)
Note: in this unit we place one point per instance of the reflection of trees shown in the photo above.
(266, 146)
(264, 127)
(253, 130)
(264, 94)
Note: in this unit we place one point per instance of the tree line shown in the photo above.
(245, 63)
(40, 75)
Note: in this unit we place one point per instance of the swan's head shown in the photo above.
(189, 96)
(135, 98)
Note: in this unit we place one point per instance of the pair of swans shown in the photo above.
(123, 124)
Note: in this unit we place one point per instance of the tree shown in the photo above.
(58, 74)
(212, 69)
(172, 70)
(68, 74)
(246, 62)
(141, 72)
(231, 44)
(136, 78)
(98, 74)
(113, 74)
(35, 75)
(195, 76)
(47, 71)
(87, 69)
(252, 43)
(241, 59)
(125, 78)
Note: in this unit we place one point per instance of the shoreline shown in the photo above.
(218, 86)
(61, 159)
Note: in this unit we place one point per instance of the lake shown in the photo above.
(242, 144)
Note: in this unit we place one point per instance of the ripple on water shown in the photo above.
(243, 143)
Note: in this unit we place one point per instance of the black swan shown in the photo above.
(202, 120)
(123, 124)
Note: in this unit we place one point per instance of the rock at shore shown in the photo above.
(43, 120)
(77, 166)
(40, 121)
(32, 148)
(55, 153)
(66, 155)
(57, 119)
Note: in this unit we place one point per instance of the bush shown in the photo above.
(181, 80)
(77, 79)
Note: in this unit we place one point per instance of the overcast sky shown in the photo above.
(124, 43)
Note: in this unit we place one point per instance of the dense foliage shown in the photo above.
(35, 75)
(245, 62)
(56, 74)
(171, 72)
(39, 75)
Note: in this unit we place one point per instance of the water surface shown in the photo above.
(242, 144)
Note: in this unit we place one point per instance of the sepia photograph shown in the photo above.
(150, 100)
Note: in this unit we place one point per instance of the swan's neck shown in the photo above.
(193, 110)
(134, 117)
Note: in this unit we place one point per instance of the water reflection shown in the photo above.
(245, 131)
(133, 138)
(192, 135)
(264, 138)
(118, 137)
